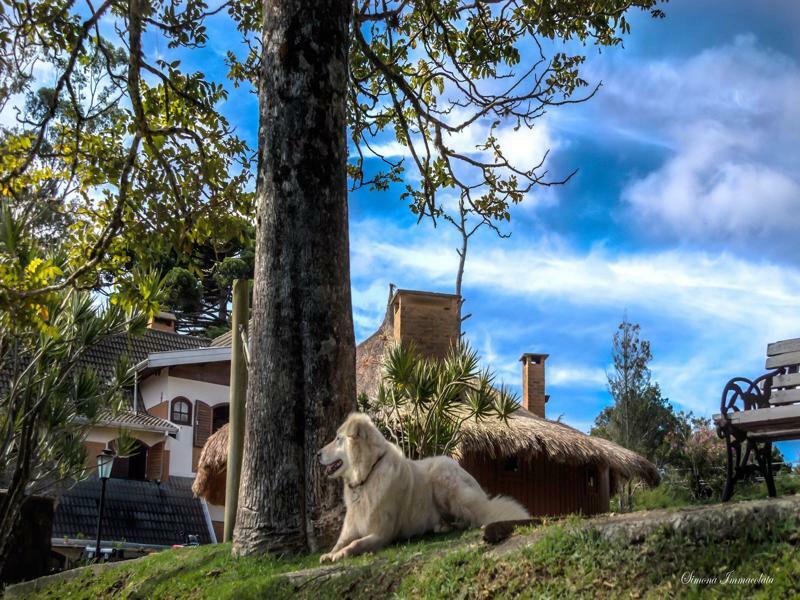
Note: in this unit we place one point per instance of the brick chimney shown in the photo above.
(428, 319)
(163, 321)
(533, 396)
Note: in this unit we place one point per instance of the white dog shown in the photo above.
(388, 496)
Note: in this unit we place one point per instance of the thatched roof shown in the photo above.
(528, 434)
(525, 433)
(369, 355)
(209, 483)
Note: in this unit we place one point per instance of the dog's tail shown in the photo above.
(502, 508)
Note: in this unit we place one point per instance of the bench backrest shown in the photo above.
(786, 355)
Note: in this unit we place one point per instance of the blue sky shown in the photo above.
(684, 213)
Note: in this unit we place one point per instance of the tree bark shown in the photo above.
(302, 370)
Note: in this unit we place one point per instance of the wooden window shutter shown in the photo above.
(155, 462)
(202, 423)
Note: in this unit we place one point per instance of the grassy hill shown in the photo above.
(650, 554)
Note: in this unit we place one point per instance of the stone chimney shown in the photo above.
(427, 319)
(533, 396)
(163, 321)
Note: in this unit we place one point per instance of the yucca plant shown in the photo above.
(50, 396)
(423, 403)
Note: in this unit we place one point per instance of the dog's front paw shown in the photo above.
(332, 556)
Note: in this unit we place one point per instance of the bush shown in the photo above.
(423, 402)
(700, 460)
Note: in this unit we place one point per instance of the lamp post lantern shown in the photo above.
(105, 461)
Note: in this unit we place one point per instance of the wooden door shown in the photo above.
(202, 423)
(155, 462)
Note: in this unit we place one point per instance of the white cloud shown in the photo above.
(715, 185)
(523, 147)
(577, 376)
(719, 311)
(727, 287)
(731, 116)
(369, 306)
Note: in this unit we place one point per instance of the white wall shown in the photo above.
(154, 388)
(217, 513)
(162, 387)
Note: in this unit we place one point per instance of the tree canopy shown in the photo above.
(640, 418)
(126, 161)
(129, 159)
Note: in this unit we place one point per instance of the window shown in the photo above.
(181, 412)
(591, 478)
(511, 464)
(220, 416)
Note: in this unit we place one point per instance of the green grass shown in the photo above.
(562, 561)
(665, 496)
(178, 573)
(211, 572)
(570, 563)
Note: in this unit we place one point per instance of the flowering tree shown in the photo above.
(700, 457)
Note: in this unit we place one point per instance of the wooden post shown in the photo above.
(238, 392)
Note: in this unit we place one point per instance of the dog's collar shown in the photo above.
(371, 469)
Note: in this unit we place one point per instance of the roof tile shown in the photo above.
(139, 512)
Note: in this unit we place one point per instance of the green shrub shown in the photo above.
(423, 402)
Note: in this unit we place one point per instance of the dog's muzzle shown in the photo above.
(331, 468)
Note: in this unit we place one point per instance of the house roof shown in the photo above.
(104, 356)
(137, 420)
(157, 360)
(395, 292)
(136, 512)
(224, 340)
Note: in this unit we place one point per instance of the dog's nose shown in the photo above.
(319, 454)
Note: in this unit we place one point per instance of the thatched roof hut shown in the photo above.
(529, 434)
(524, 434)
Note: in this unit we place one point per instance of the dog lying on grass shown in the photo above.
(390, 497)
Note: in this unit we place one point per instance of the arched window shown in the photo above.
(181, 413)
(219, 416)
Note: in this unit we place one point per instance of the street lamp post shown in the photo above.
(104, 463)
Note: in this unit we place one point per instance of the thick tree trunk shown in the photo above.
(302, 370)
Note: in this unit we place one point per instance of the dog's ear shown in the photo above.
(357, 430)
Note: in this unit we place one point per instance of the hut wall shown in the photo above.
(543, 486)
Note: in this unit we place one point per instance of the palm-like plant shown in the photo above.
(423, 403)
(49, 395)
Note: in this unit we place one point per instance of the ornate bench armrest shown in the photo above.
(741, 393)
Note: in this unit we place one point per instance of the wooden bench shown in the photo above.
(755, 413)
